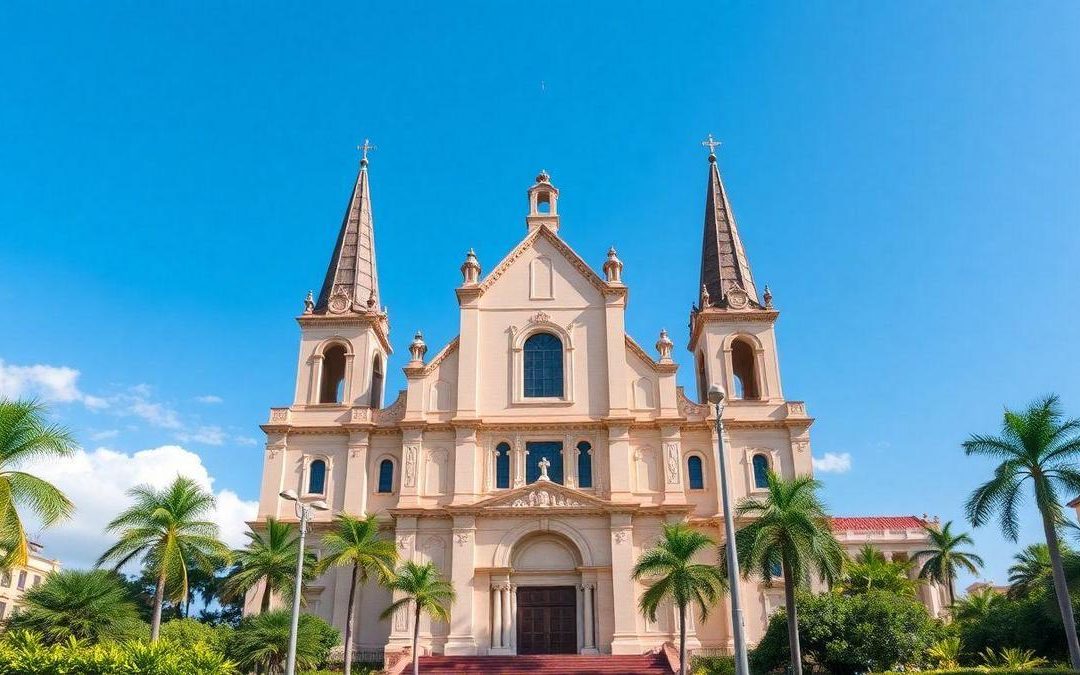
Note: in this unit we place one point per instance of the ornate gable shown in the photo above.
(558, 244)
(543, 495)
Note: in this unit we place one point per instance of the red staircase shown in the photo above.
(550, 664)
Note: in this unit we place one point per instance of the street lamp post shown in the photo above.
(303, 512)
(742, 666)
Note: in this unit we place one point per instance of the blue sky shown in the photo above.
(904, 175)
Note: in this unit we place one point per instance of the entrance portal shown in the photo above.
(547, 620)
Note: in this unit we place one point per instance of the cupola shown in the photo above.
(543, 204)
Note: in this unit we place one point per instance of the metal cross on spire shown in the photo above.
(712, 144)
(364, 148)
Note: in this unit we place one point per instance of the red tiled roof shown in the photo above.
(877, 523)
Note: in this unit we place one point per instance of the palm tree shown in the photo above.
(942, 559)
(166, 529)
(1031, 569)
(25, 435)
(269, 559)
(92, 605)
(1040, 445)
(673, 574)
(356, 542)
(791, 531)
(428, 593)
(261, 642)
(870, 571)
(976, 606)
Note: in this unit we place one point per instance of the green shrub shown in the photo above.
(712, 665)
(192, 632)
(25, 654)
(845, 635)
(994, 671)
(262, 640)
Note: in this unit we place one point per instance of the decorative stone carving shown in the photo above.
(768, 297)
(621, 536)
(279, 415)
(403, 542)
(470, 269)
(462, 538)
(705, 300)
(417, 349)
(410, 465)
(737, 298)
(339, 302)
(540, 317)
(671, 452)
(664, 346)
(688, 408)
(360, 415)
(394, 413)
(544, 499)
(613, 267)
(796, 409)
(272, 449)
(309, 303)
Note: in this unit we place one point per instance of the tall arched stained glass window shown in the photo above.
(543, 366)
(695, 474)
(386, 476)
(761, 471)
(502, 465)
(317, 477)
(584, 465)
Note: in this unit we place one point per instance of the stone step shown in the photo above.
(646, 664)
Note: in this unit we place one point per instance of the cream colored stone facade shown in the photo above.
(15, 582)
(441, 437)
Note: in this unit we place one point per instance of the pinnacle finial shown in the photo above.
(364, 148)
(712, 144)
(309, 303)
(767, 296)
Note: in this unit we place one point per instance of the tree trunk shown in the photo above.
(1062, 589)
(952, 591)
(159, 600)
(416, 641)
(682, 640)
(349, 620)
(792, 619)
(264, 606)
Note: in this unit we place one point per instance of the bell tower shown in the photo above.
(732, 332)
(345, 331)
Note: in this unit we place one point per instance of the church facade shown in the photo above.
(537, 454)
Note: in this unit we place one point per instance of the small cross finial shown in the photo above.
(712, 144)
(364, 148)
(544, 464)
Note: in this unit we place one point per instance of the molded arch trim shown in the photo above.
(505, 549)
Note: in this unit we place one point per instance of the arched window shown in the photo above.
(543, 366)
(316, 484)
(695, 473)
(702, 383)
(761, 471)
(386, 476)
(584, 465)
(502, 466)
(376, 382)
(742, 365)
(332, 387)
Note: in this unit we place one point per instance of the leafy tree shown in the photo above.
(844, 635)
(91, 606)
(189, 632)
(1039, 445)
(792, 531)
(356, 542)
(943, 559)
(26, 435)
(261, 641)
(422, 587)
(1031, 569)
(869, 571)
(166, 528)
(270, 559)
(674, 575)
(994, 620)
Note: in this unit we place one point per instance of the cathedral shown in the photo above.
(535, 456)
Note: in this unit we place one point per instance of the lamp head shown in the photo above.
(716, 394)
(289, 494)
(319, 505)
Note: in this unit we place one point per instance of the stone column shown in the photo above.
(356, 474)
(274, 477)
(513, 618)
(569, 453)
(625, 637)
(400, 623)
(461, 641)
(519, 462)
(465, 453)
(671, 443)
(496, 617)
(588, 619)
(619, 461)
(505, 594)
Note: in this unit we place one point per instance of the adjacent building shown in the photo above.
(16, 581)
(534, 456)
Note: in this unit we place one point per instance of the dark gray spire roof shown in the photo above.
(352, 279)
(723, 259)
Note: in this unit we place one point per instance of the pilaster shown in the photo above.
(465, 455)
(400, 623)
(461, 641)
(356, 474)
(619, 461)
(615, 324)
(273, 475)
(625, 639)
(671, 444)
(412, 444)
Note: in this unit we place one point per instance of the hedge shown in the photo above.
(995, 671)
(25, 655)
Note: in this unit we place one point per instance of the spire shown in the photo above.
(726, 280)
(352, 280)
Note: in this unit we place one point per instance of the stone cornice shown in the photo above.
(376, 321)
(718, 315)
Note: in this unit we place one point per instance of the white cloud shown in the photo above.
(209, 398)
(833, 462)
(157, 414)
(209, 435)
(245, 440)
(52, 384)
(104, 435)
(97, 482)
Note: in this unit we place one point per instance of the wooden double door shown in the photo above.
(546, 620)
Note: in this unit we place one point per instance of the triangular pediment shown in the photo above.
(560, 247)
(543, 494)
